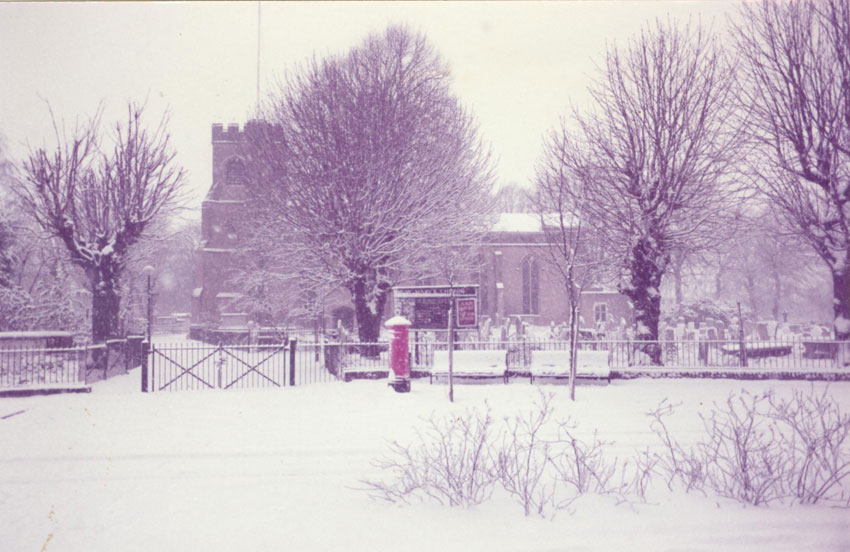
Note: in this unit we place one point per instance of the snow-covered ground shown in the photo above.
(278, 469)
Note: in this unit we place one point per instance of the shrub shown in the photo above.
(815, 442)
(524, 458)
(451, 461)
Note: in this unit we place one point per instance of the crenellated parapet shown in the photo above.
(231, 133)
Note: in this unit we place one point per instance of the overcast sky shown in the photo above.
(517, 66)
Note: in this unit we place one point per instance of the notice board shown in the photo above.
(427, 307)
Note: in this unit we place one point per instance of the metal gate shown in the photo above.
(192, 366)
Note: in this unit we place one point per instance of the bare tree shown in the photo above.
(451, 263)
(512, 198)
(559, 200)
(796, 87)
(369, 161)
(657, 174)
(99, 202)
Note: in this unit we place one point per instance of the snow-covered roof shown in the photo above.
(517, 222)
(197, 291)
(228, 295)
(523, 222)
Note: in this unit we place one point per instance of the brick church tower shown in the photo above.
(222, 208)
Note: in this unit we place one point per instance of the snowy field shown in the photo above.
(281, 469)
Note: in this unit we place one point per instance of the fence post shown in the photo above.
(220, 364)
(292, 343)
(145, 356)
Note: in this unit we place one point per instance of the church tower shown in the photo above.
(212, 297)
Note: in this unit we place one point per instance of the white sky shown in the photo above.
(517, 65)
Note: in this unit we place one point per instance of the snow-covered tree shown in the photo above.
(796, 87)
(37, 291)
(99, 201)
(365, 163)
(657, 157)
(7, 234)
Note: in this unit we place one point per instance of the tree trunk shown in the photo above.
(677, 277)
(718, 283)
(841, 304)
(574, 313)
(777, 293)
(750, 284)
(451, 346)
(106, 302)
(368, 312)
(647, 268)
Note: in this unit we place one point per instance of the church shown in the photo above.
(514, 283)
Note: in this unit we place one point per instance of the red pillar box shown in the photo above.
(399, 353)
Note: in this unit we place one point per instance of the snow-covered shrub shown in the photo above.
(451, 461)
(743, 456)
(740, 456)
(816, 445)
(754, 449)
(763, 448)
(582, 466)
(524, 459)
(636, 475)
(675, 464)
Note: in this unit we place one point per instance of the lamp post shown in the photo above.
(148, 271)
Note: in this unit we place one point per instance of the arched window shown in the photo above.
(530, 286)
(236, 173)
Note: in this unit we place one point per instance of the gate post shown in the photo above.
(145, 355)
(292, 362)
(220, 364)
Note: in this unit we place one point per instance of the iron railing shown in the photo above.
(44, 368)
(775, 355)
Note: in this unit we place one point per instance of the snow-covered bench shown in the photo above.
(470, 365)
(591, 366)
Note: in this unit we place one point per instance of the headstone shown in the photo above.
(519, 326)
(763, 332)
(484, 334)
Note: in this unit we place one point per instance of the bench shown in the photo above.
(820, 349)
(591, 366)
(471, 366)
(758, 350)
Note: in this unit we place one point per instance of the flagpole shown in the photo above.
(259, 4)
